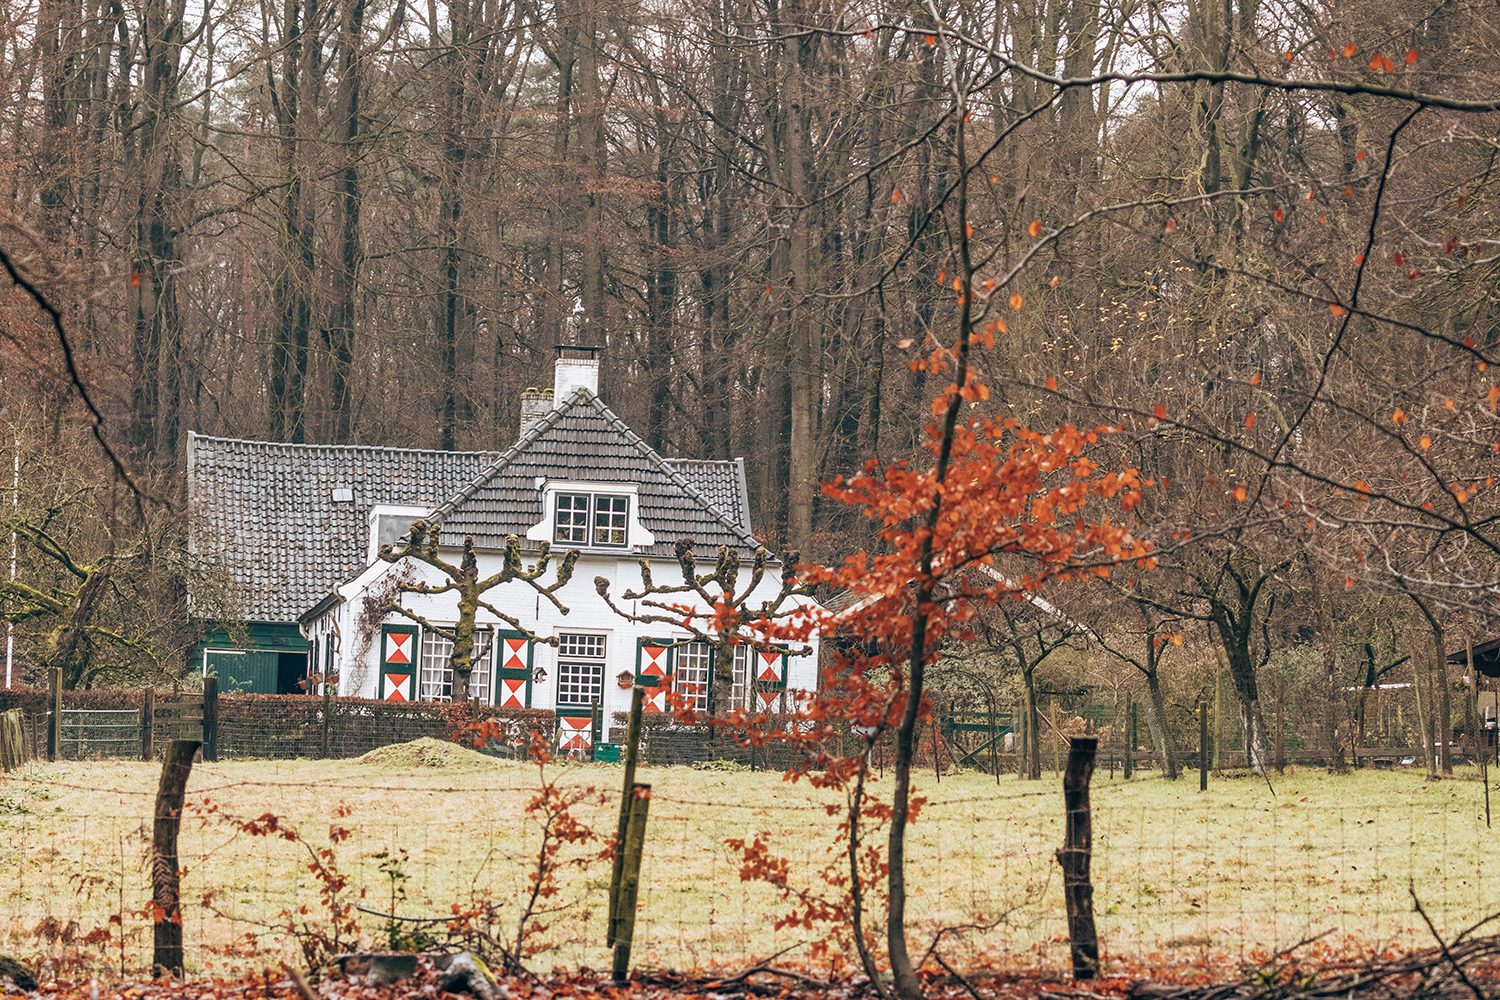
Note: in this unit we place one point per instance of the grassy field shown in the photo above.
(1219, 875)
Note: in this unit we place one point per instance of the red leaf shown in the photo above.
(1240, 493)
(1349, 50)
(1255, 379)
(1035, 229)
(1051, 383)
(1250, 420)
(1279, 215)
(1411, 57)
(1337, 309)
(1160, 411)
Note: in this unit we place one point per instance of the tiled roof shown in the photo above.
(265, 512)
(722, 482)
(583, 440)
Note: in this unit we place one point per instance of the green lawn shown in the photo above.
(1219, 875)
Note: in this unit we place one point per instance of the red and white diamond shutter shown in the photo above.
(770, 678)
(513, 652)
(653, 671)
(400, 646)
(575, 732)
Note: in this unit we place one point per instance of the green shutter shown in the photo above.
(400, 654)
(514, 653)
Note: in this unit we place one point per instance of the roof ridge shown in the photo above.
(677, 478)
(196, 438)
(583, 395)
(507, 456)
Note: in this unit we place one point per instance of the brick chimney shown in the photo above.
(574, 367)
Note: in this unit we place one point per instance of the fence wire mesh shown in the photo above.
(1218, 877)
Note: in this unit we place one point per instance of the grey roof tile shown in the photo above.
(264, 510)
(583, 440)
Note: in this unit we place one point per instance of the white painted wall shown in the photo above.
(358, 649)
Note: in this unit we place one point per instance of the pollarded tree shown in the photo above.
(462, 580)
(718, 607)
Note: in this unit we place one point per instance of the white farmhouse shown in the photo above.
(297, 529)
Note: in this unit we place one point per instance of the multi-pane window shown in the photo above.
(580, 668)
(572, 527)
(435, 677)
(739, 694)
(609, 518)
(693, 675)
(591, 519)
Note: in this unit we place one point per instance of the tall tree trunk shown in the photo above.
(291, 291)
(339, 337)
(157, 325)
(1156, 721)
(1439, 703)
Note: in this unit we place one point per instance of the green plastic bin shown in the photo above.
(607, 753)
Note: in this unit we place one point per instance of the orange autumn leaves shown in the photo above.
(1036, 502)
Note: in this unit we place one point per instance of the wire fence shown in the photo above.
(1214, 878)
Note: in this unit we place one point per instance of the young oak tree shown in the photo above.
(463, 581)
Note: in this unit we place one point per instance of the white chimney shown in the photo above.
(575, 367)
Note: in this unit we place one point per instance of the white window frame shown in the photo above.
(388, 510)
(693, 674)
(574, 664)
(741, 689)
(435, 671)
(546, 530)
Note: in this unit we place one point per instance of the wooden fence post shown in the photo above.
(211, 717)
(166, 906)
(327, 734)
(1076, 855)
(632, 755)
(630, 882)
(1129, 766)
(12, 740)
(1203, 745)
(148, 724)
(54, 720)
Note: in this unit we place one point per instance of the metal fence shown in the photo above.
(1216, 878)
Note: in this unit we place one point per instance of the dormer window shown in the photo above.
(388, 523)
(592, 519)
(579, 515)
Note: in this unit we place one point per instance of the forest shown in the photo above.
(1254, 242)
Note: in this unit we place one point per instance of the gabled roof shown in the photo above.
(265, 512)
(583, 441)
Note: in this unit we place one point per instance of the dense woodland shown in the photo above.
(1258, 237)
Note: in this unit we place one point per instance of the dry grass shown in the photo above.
(1224, 873)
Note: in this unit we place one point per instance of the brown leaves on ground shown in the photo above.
(1465, 967)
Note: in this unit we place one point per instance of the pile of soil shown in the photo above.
(427, 753)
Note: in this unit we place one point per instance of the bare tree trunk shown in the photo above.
(1156, 721)
(340, 335)
(1439, 727)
